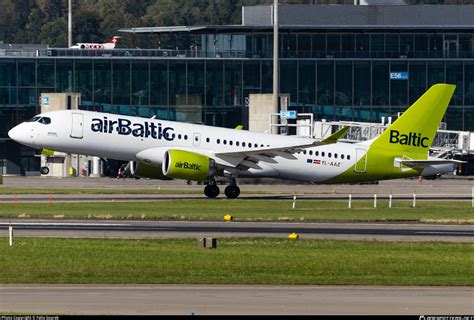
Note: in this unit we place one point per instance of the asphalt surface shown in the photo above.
(443, 187)
(179, 229)
(235, 300)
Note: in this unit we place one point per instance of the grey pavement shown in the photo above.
(445, 186)
(235, 300)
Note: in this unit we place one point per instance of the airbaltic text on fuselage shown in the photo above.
(410, 139)
(126, 127)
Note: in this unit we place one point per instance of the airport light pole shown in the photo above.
(276, 74)
(69, 24)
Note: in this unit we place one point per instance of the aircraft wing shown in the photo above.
(250, 158)
(333, 138)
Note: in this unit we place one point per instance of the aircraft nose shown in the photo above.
(18, 134)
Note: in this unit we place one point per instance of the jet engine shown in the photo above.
(143, 170)
(187, 165)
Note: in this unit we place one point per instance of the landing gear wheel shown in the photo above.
(44, 170)
(211, 191)
(232, 192)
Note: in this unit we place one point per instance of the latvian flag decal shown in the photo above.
(315, 161)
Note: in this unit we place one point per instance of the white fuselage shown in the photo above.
(123, 137)
(136, 139)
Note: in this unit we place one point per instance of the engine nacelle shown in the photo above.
(144, 170)
(187, 165)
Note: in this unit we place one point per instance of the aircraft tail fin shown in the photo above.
(414, 131)
(114, 39)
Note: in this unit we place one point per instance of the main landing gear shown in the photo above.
(232, 191)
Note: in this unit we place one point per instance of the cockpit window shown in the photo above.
(34, 119)
(45, 120)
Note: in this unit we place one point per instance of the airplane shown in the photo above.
(109, 45)
(162, 149)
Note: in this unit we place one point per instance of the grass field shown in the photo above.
(235, 261)
(248, 210)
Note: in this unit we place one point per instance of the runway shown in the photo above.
(237, 300)
(178, 229)
(159, 197)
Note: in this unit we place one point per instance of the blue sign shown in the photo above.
(398, 75)
(288, 114)
(45, 100)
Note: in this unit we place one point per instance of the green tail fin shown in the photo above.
(413, 132)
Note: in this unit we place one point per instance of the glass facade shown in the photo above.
(342, 76)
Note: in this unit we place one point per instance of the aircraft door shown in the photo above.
(77, 125)
(196, 139)
(361, 161)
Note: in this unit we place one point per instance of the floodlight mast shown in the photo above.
(276, 74)
(69, 24)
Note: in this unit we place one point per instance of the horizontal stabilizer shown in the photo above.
(426, 163)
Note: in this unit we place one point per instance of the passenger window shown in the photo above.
(230, 142)
(335, 155)
(322, 154)
(237, 143)
(310, 152)
(225, 141)
(185, 137)
(179, 136)
(329, 154)
(342, 156)
(243, 144)
(218, 141)
(316, 153)
(348, 157)
(255, 145)
(207, 140)
(304, 151)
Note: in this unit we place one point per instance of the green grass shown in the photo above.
(247, 210)
(235, 261)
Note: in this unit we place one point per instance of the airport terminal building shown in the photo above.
(355, 63)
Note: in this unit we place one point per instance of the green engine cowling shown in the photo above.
(143, 170)
(187, 165)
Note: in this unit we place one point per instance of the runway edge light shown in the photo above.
(228, 217)
(293, 236)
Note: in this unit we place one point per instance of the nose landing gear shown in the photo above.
(44, 170)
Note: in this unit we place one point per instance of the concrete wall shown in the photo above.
(260, 106)
(59, 101)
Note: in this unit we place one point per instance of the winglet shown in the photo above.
(239, 127)
(333, 138)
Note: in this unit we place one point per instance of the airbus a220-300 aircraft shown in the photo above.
(175, 150)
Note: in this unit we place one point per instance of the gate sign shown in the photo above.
(288, 114)
(398, 75)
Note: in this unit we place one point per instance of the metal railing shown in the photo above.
(286, 54)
